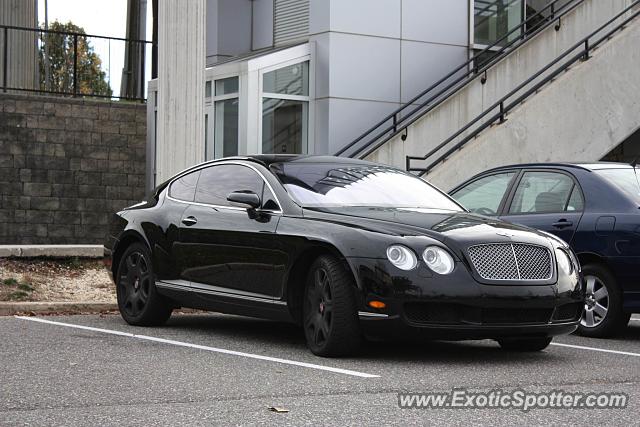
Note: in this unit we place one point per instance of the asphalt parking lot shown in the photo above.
(205, 369)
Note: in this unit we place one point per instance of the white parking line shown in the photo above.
(203, 347)
(603, 350)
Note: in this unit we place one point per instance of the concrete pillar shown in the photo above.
(22, 48)
(181, 63)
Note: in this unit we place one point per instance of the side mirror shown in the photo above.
(248, 200)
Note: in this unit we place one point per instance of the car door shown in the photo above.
(549, 200)
(222, 247)
(486, 194)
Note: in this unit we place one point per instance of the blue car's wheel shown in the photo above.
(603, 315)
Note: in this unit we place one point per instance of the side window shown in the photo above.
(541, 192)
(217, 182)
(576, 203)
(184, 188)
(484, 195)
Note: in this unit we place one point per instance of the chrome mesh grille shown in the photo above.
(511, 261)
(534, 262)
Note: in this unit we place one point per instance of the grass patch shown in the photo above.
(16, 290)
(73, 263)
(26, 287)
(18, 296)
(10, 282)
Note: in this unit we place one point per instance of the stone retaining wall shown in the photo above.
(66, 165)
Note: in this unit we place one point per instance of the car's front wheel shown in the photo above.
(525, 344)
(603, 315)
(331, 324)
(138, 299)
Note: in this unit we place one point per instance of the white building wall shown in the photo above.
(262, 24)
(373, 55)
(228, 30)
(181, 63)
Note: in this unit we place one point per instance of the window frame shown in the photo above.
(213, 150)
(307, 145)
(505, 196)
(231, 208)
(507, 206)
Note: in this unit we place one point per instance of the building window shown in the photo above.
(223, 140)
(285, 109)
(493, 19)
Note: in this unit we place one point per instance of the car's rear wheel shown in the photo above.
(525, 344)
(138, 299)
(603, 315)
(331, 324)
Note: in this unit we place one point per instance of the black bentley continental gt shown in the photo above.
(348, 249)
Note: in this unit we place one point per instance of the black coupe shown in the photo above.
(346, 248)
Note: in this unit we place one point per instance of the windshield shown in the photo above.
(624, 179)
(357, 185)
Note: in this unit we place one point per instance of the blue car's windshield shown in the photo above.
(333, 185)
(625, 179)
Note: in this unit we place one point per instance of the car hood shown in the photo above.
(457, 230)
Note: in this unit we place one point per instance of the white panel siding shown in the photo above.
(291, 21)
(181, 61)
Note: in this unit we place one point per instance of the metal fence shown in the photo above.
(73, 64)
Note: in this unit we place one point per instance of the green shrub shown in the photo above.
(27, 287)
(10, 282)
(18, 296)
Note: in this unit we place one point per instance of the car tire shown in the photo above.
(525, 344)
(598, 277)
(138, 299)
(330, 317)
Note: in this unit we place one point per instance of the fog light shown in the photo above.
(377, 304)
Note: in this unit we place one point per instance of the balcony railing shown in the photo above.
(74, 64)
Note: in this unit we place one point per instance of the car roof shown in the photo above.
(269, 159)
(585, 166)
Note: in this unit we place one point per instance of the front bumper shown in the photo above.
(397, 327)
(455, 307)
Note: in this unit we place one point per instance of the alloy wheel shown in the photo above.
(319, 307)
(596, 303)
(134, 284)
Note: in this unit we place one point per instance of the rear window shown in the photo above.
(184, 188)
(625, 179)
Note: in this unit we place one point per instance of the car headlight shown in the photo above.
(438, 260)
(564, 262)
(402, 257)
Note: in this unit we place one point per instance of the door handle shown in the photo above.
(189, 221)
(562, 223)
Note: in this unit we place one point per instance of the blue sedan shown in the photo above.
(593, 207)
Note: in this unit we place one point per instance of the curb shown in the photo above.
(51, 251)
(11, 308)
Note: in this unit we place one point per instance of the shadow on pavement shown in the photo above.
(264, 332)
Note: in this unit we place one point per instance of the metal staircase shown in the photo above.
(475, 100)
(474, 69)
